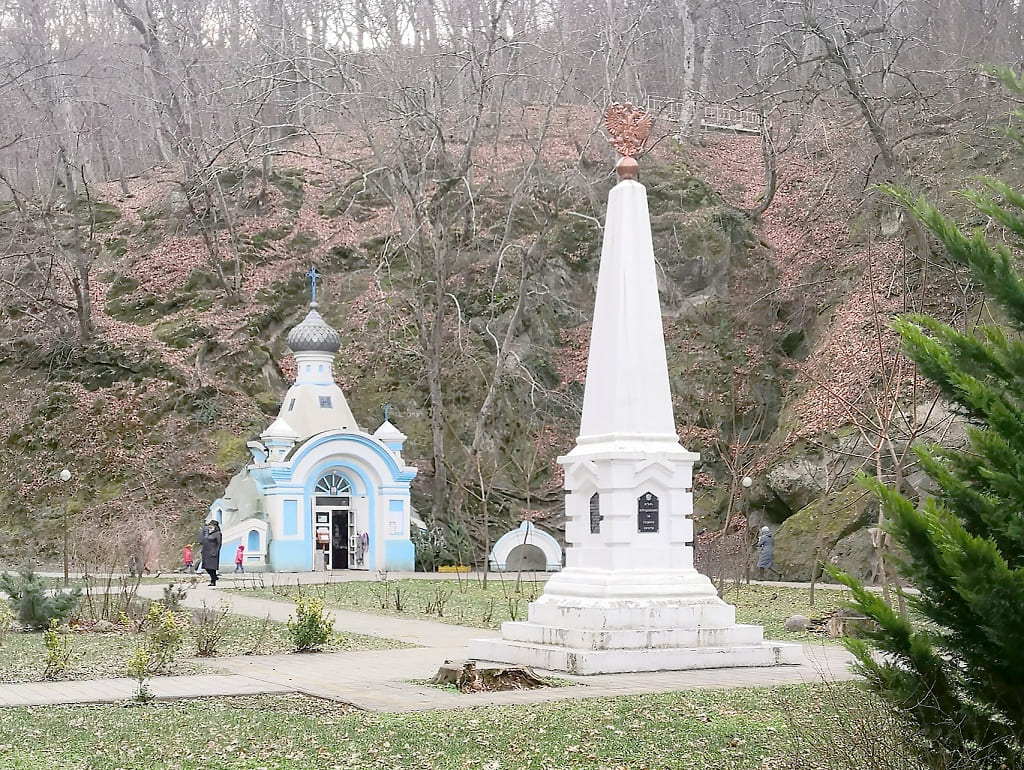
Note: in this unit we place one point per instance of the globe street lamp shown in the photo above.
(65, 477)
(746, 482)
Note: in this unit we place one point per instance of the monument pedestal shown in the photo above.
(587, 662)
(648, 631)
(629, 598)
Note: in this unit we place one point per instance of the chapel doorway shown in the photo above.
(339, 539)
(526, 557)
(335, 521)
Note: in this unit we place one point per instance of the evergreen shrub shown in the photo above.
(33, 606)
(958, 679)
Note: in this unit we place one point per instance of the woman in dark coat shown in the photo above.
(764, 556)
(210, 541)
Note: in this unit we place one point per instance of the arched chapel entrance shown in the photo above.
(334, 524)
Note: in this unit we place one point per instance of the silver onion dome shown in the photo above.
(313, 334)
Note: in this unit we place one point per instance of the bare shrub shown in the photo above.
(209, 627)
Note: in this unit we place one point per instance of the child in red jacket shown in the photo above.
(239, 557)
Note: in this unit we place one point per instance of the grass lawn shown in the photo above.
(741, 729)
(98, 656)
(466, 602)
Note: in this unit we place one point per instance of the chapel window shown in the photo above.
(325, 402)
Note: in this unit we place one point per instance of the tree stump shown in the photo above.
(467, 677)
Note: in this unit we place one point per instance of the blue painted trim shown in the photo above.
(281, 473)
(286, 489)
(396, 506)
(397, 474)
(290, 518)
(399, 555)
(290, 556)
(227, 554)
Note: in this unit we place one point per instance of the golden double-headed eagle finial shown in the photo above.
(628, 129)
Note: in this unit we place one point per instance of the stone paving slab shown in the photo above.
(118, 690)
(385, 680)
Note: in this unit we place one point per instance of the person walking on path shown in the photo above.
(210, 542)
(239, 558)
(764, 554)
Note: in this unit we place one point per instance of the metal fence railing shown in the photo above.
(711, 117)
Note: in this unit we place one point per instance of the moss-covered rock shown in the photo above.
(263, 238)
(101, 364)
(303, 242)
(138, 308)
(354, 198)
(115, 246)
(290, 182)
(855, 555)
(180, 333)
(230, 453)
(813, 531)
(673, 189)
(120, 285)
(101, 215)
(268, 401)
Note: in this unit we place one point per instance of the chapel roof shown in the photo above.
(281, 430)
(388, 432)
(314, 334)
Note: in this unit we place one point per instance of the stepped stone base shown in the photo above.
(631, 638)
(600, 635)
(615, 661)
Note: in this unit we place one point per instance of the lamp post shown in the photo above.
(65, 477)
(746, 482)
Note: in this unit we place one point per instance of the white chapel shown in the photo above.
(320, 492)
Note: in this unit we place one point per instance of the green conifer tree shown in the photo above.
(958, 677)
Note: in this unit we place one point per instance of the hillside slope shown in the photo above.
(772, 330)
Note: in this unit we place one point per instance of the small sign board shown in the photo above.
(595, 514)
(647, 513)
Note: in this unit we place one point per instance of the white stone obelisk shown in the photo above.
(629, 598)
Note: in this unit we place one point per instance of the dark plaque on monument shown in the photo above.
(595, 514)
(647, 513)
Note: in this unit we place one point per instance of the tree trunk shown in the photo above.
(688, 119)
(435, 351)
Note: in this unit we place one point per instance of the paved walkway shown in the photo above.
(383, 680)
